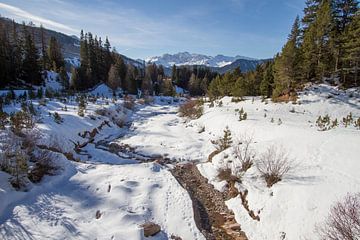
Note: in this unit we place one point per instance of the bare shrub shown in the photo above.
(129, 102)
(120, 122)
(30, 139)
(191, 109)
(14, 159)
(101, 111)
(343, 221)
(226, 175)
(44, 165)
(245, 154)
(274, 164)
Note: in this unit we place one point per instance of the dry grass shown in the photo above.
(192, 109)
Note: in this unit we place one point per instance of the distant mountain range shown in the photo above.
(190, 59)
(218, 63)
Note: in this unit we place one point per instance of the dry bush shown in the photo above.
(226, 175)
(129, 102)
(101, 111)
(148, 99)
(245, 154)
(274, 164)
(191, 109)
(14, 159)
(119, 121)
(343, 221)
(44, 165)
(30, 139)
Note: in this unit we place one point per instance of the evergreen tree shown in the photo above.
(16, 54)
(64, 78)
(167, 88)
(74, 80)
(287, 64)
(55, 56)
(266, 86)
(343, 12)
(130, 80)
(30, 65)
(44, 55)
(173, 73)
(114, 80)
(310, 10)
(325, 46)
(352, 49)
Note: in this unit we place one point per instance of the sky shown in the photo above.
(144, 28)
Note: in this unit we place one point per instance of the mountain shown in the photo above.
(185, 58)
(218, 63)
(245, 65)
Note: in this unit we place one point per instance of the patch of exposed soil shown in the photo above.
(211, 214)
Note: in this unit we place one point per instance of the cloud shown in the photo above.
(36, 19)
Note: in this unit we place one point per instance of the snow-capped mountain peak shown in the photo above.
(186, 58)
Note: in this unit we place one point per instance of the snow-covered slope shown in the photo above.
(327, 163)
(126, 193)
(64, 206)
(185, 58)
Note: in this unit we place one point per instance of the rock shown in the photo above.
(150, 229)
(114, 147)
(235, 227)
(98, 214)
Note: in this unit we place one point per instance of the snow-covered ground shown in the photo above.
(128, 193)
(327, 163)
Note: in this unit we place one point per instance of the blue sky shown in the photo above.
(143, 28)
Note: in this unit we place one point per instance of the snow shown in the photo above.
(74, 61)
(64, 206)
(327, 163)
(52, 82)
(142, 192)
(185, 58)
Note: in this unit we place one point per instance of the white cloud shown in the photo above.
(36, 19)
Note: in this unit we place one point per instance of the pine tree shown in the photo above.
(193, 85)
(325, 48)
(114, 80)
(16, 54)
(30, 65)
(167, 88)
(214, 88)
(74, 80)
(55, 56)
(173, 73)
(343, 12)
(287, 64)
(130, 85)
(352, 48)
(84, 57)
(310, 11)
(266, 85)
(64, 78)
(44, 54)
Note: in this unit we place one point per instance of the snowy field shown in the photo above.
(128, 193)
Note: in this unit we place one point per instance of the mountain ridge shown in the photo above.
(189, 59)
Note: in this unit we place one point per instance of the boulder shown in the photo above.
(150, 229)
